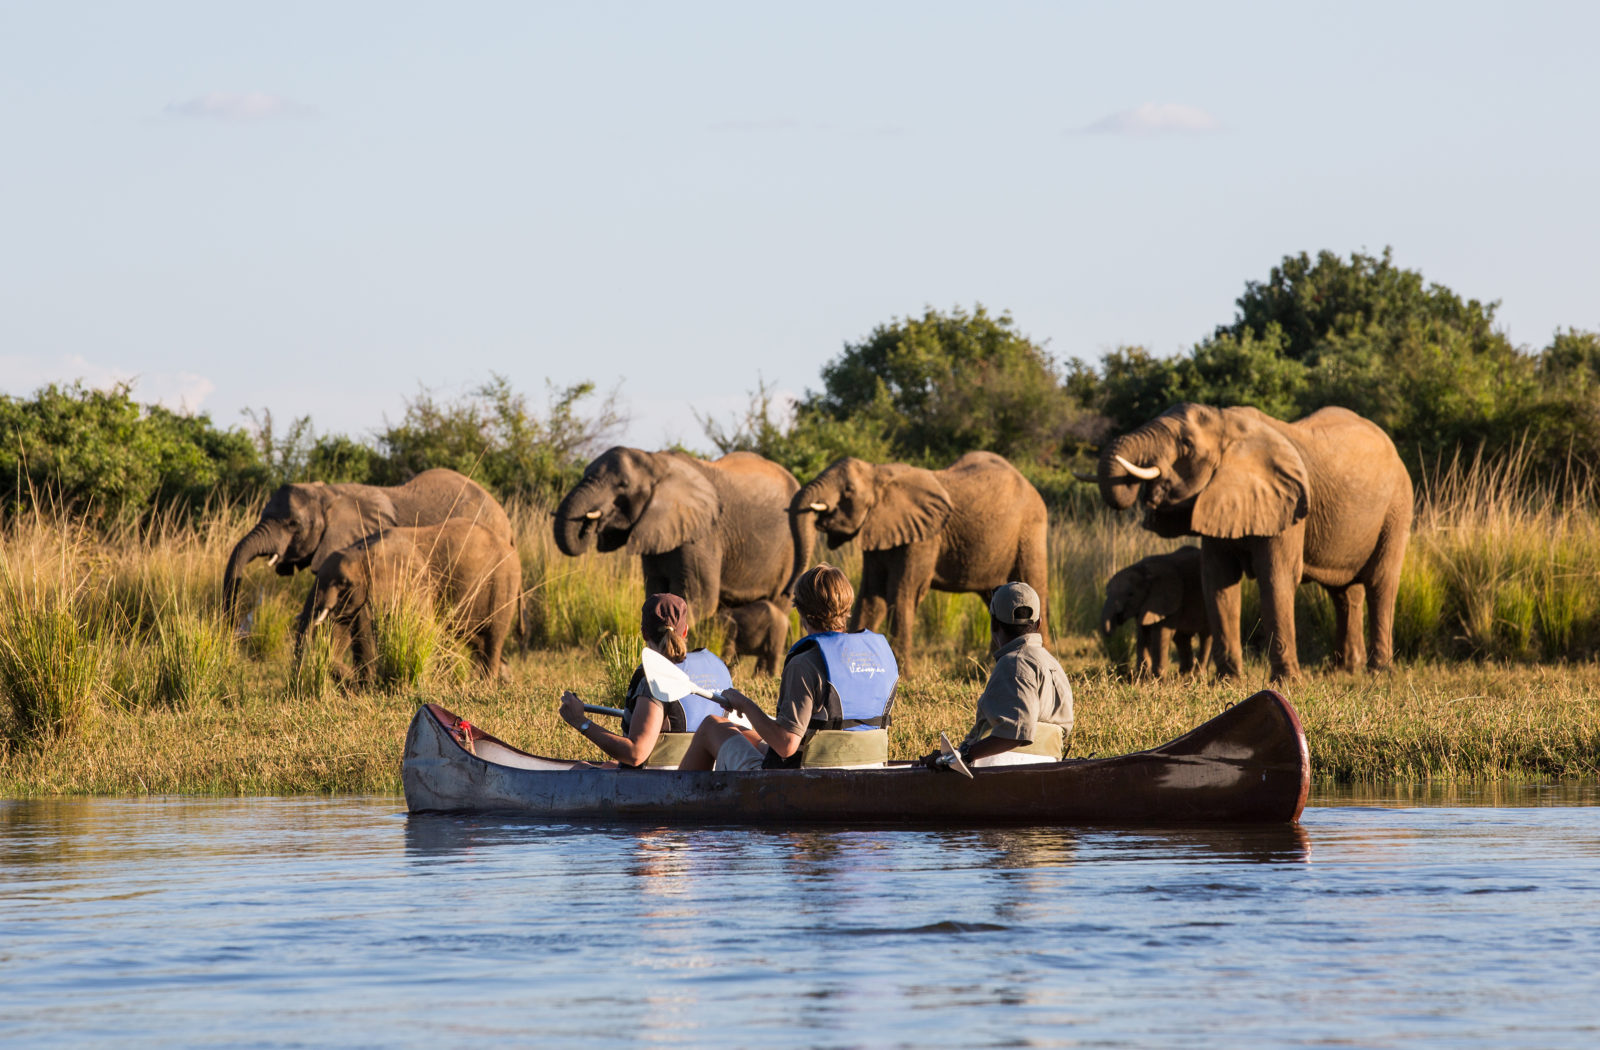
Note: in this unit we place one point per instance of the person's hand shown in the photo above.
(733, 700)
(572, 708)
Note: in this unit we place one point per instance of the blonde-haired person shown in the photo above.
(664, 622)
(831, 680)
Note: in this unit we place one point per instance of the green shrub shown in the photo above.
(52, 658)
(193, 656)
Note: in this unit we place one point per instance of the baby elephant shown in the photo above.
(760, 628)
(1163, 592)
(458, 563)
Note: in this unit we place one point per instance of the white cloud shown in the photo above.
(179, 391)
(239, 107)
(1157, 118)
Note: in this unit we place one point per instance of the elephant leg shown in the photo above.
(733, 640)
(909, 581)
(1185, 653)
(660, 571)
(1033, 568)
(491, 643)
(1348, 604)
(302, 624)
(701, 579)
(1277, 563)
(1158, 656)
(1382, 587)
(364, 644)
(1204, 656)
(1143, 651)
(871, 605)
(1220, 576)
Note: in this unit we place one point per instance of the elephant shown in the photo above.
(714, 533)
(302, 524)
(971, 527)
(760, 628)
(457, 562)
(1163, 593)
(1324, 499)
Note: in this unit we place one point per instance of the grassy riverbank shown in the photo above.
(1452, 722)
(118, 675)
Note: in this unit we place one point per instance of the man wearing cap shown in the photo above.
(1027, 698)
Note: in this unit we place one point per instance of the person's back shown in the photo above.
(1025, 711)
(831, 682)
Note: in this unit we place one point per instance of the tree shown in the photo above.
(1423, 363)
(101, 455)
(493, 435)
(944, 384)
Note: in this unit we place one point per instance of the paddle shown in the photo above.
(596, 709)
(950, 758)
(670, 685)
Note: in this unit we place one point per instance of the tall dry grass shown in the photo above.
(117, 672)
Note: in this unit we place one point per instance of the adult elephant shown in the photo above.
(968, 529)
(1324, 499)
(714, 533)
(304, 523)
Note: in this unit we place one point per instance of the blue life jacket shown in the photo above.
(709, 673)
(704, 670)
(862, 671)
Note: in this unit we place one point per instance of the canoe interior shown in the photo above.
(1249, 764)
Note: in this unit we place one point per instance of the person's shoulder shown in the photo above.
(806, 658)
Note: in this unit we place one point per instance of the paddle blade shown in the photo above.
(952, 758)
(668, 682)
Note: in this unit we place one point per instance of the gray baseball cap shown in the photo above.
(1015, 603)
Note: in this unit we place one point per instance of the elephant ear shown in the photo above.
(1260, 488)
(683, 506)
(1162, 599)
(911, 505)
(344, 521)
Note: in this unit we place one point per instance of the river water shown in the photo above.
(1383, 920)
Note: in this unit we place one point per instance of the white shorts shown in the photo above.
(738, 754)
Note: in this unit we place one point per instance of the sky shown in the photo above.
(323, 208)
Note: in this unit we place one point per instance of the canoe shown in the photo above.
(1249, 764)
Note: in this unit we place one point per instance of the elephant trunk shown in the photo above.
(809, 501)
(1111, 616)
(1124, 465)
(267, 539)
(577, 520)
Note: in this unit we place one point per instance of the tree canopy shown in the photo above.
(1429, 366)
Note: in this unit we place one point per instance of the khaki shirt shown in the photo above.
(1027, 686)
(803, 690)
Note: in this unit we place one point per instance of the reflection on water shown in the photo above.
(1490, 793)
(276, 922)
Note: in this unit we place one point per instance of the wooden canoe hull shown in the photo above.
(1247, 765)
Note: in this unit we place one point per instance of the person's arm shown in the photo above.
(1003, 711)
(644, 729)
(779, 737)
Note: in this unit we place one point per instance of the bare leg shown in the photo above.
(708, 740)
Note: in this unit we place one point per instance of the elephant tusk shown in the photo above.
(272, 560)
(593, 515)
(818, 507)
(322, 615)
(1142, 473)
